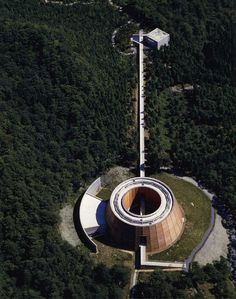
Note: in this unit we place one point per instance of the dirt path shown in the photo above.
(216, 244)
(66, 226)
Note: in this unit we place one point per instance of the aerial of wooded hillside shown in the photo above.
(191, 94)
(65, 102)
(66, 116)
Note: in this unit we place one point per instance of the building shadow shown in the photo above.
(101, 214)
(107, 240)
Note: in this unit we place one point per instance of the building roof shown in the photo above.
(92, 212)
(159, 187)
(157, 230)
(157, 34)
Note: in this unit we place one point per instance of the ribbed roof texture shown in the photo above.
(158, 236)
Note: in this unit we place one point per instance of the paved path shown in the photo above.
(133, 282)
(203, 252)
(163, 264)
(68, 4)
(67, 227)
(132, 50)
(141, 107)
(218, 240)
(134, 279)
(190, 259)
(114, 5)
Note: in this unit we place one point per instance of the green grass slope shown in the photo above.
(197, 209)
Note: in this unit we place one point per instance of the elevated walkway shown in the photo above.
(144, 263)
(141, 107)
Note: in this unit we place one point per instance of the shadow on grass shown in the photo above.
(107, 240)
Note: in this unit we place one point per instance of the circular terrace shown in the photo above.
(141, 201)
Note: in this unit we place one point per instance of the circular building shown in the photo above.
(144, 211)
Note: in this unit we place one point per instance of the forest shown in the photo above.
(66, 116)
(191, 94)
(209, 281)
(65, 102)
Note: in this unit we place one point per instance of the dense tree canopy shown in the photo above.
(191, 93)
(209, 281)
(192, 128)
(65, 102)
(66, 115)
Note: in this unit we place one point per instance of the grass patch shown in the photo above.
(197, 209)
(143, 277)
(112, 256)
(206, 290)
(104, 194)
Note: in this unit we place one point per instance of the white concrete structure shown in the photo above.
(117, 201)
(92, 215)
(156, 38)
(153, 39)
(141, 107)
(145, 263)
(95, 187)
(92, 210)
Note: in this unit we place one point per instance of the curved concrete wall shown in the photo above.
(161, 236)
(150, 198)
(93, 189)
(158, 237)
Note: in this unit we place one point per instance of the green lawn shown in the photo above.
(111, 256)
(205, 289)
(197, 209)
(104, 194)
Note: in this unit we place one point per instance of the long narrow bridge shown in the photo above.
(141, 108)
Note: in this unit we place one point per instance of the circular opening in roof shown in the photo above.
(141, 201)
